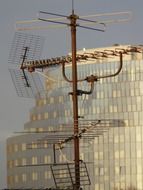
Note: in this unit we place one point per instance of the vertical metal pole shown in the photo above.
(23, 71)
(73, 19)
(54, 153)
(121, 58)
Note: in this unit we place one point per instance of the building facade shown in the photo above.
(115, 156)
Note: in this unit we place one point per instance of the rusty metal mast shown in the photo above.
(73, 19)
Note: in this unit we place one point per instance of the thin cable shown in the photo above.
(42, 74)
(64, 156)
(83, 100)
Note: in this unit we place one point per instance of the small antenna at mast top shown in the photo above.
(72, 6)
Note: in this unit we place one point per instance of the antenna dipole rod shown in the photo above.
(73, 19)
(72, 6)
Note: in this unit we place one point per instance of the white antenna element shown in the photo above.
(24, 25)
(128, 13)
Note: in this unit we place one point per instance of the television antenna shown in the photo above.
(75, 21)
(60, 139)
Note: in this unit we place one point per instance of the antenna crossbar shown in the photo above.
(83, 21)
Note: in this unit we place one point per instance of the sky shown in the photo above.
(14, 111)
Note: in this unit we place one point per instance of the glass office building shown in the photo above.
(116, 155)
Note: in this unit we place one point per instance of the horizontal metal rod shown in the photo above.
(56, 22)
(54, 14)
(92, 21)
(90, 28)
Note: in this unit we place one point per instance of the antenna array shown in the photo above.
(83, 130)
